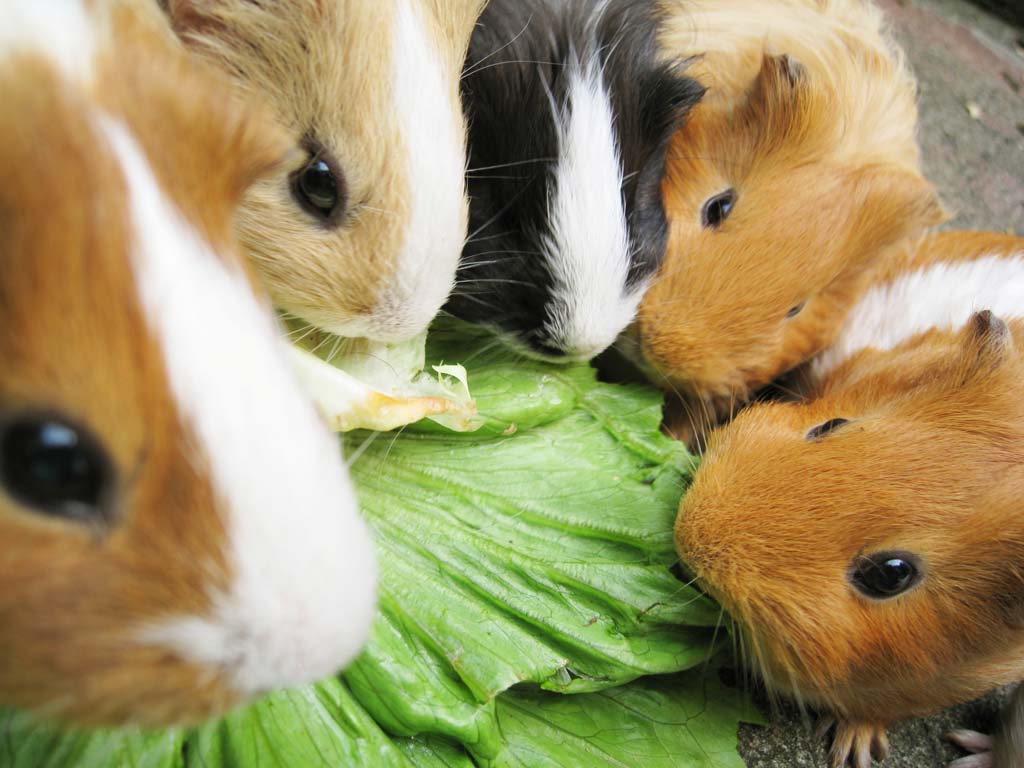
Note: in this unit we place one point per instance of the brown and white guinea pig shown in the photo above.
(870, 541)
(570, 110)
(785, 189)
(361, 236)
(179, 532)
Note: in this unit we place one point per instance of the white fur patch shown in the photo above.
(588, 249)
(434, 137)
(302, 563)
(941, 296)
(61, 30)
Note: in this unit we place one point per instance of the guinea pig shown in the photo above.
(361, 236)
(179, 531)
(869, 541)
(570, 110)
(787, 187)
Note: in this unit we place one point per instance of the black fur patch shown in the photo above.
(517, 64)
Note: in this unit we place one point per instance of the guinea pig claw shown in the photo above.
(856, 745)
(978, 744)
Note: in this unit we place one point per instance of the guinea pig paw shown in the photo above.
(856, 745)
(978, 744)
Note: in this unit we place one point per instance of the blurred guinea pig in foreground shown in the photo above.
(179, 533)
(360, 236)
(786, 189)
(570, 110)
(870, 542)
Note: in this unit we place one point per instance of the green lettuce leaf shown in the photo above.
(537, 549)
(683, 721)
(358, 384)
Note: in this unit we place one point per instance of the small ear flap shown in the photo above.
(190, 15)
(776, 99)
(206, 15)
(891, 204)
(988, 343)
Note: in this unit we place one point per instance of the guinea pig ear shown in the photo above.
(891, 205)
(206, 15)
(988, 343)
(775, 103)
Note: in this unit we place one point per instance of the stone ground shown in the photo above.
(970, 65)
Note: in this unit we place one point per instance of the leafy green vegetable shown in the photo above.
(683, 721)
(533, 554)
(537, 549)
(358, 384)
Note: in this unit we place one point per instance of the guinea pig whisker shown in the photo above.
(381, 211)
(714, 638)
(485, 238)
(470, 71)
(353, 457)
(497, 341)
(501, 212)
(499, 166)
(477, 300)
(334, 349)
(493, 253)
(325, 340)
(517, 61)
(387, 453)
(497, 280)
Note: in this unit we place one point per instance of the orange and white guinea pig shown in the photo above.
(787, 187)
(179, 533)
(870, 541)
(362, 234)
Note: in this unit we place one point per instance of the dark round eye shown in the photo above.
(820, 431)
(884, 575)
(318, 187)
(717, 209)
(796, 310)
(54, 467)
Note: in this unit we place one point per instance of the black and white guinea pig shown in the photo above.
(570, 110)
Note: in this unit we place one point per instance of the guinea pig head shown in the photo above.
(775, 229)
(570, 111)
(869, 543)
(361, 235)
(179, 532)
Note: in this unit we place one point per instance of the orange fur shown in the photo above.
(73, 339)
(930, 464)
(811, 119)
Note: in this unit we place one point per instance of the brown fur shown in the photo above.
(930, 464)
(74, 341)
(811, 119)
(326, 69)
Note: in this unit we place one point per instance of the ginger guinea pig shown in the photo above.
(361, 236)
(786, 188)
(570, 109)
(179, 532)
(870, 541)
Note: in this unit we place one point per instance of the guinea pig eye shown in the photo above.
(318, 187)
(796, 310)
(54, 467)
(717, 209)
(820, 431)
(884, 575)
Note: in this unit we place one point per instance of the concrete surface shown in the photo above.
(970, 65)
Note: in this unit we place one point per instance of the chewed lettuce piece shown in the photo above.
(365, 385)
